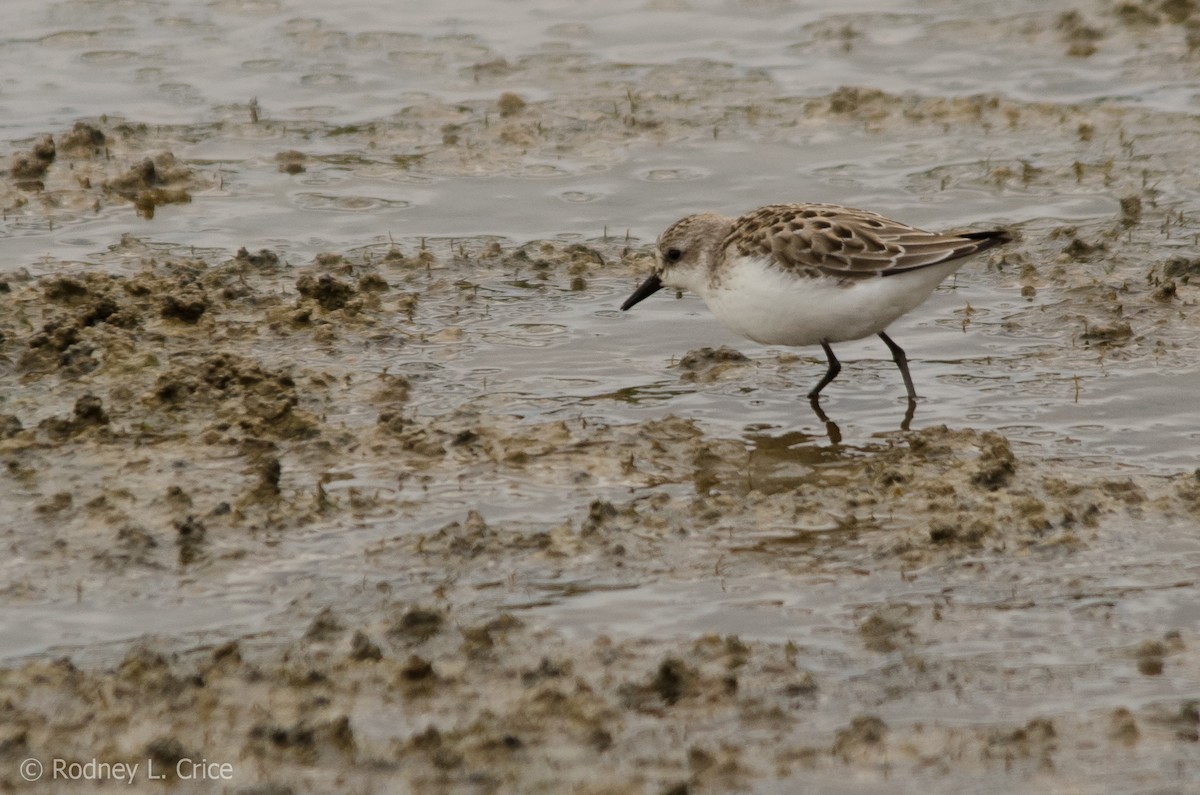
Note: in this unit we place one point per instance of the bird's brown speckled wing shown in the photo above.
(843, 243)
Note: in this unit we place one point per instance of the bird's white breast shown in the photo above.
(776, 307)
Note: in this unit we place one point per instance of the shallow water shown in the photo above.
(367, 95)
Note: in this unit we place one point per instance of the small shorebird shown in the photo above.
(804, 274)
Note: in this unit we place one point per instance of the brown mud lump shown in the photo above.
(83, 140)
(265, 258)
(187, 306)
(28, 168)
(325, 626)
(997, 464)
(362, 648)
(1182, 268)
(510, 104)
(863, 733)
(417, 625)
(329, 292)
(672, 682)
(291, 161)
(707, 364)
(10, 426)
(600, 513)
(153, 182)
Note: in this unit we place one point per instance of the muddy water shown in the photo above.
(322, 433)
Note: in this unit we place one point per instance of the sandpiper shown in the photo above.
(805, 274)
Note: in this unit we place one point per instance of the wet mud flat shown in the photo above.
(313, 532)
(179, 426)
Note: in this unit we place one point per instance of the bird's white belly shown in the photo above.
(774, 307)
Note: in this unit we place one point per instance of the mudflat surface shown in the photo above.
(327, 456)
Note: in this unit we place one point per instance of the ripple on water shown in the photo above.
(527, 335)
(672, 174)
(246, 6)
(540, 171)
(181, 93)
(104, 57)
(310, 112)
(72, 39)
(347, 204)
(326, 79)
(265, 65)
(579, 196)
(410, 59)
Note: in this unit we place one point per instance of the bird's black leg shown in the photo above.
(835, 367)
(908, 415)
(902, 362)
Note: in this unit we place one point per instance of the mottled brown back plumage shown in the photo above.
(843, 243)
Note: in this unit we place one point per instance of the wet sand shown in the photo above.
(301, 513)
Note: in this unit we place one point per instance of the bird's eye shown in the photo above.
(673, 255)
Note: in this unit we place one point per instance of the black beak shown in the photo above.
(649, 287)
